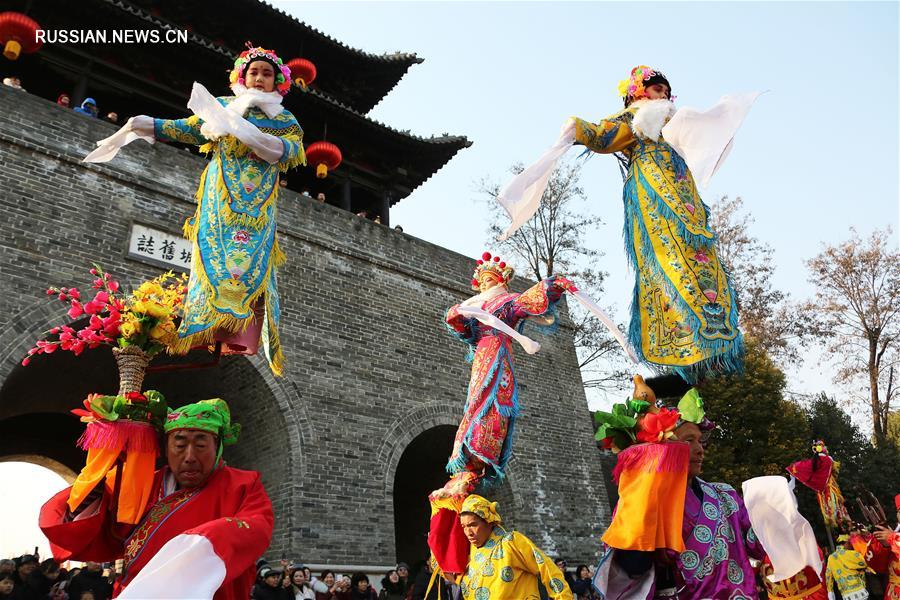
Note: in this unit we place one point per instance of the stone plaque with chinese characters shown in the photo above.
(159, 248)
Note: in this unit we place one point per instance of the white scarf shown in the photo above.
(472, 308)
(268, 102)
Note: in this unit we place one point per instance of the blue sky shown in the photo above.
(817, 154)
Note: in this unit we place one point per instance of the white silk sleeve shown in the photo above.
(107, 148)
(187, 566)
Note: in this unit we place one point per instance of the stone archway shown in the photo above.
(415, 453)
(40, 460)
(420, 470)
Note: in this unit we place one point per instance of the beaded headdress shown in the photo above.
(492, 266)
(282, 72)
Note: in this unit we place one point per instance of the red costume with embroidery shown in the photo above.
(231, 510)
(883, 559)
(805, 585)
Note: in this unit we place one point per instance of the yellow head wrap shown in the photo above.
(482, 507)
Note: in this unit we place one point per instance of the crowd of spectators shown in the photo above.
(27, 577)
(295, 581)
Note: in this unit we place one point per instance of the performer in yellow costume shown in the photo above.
(504, 565)
(684, 314)
(846, 570)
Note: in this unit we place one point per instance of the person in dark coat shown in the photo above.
(37, 585)
(420, 586)
(272, 588)
(91, 579)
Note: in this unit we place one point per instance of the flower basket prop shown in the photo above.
(138, 326)
(122, 431)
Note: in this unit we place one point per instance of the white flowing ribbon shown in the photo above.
(471, 308)
(592, 307)
(702, 138)
(785, 535)
(218, 121)
(474, 312)
(705, 138)
(522, 196)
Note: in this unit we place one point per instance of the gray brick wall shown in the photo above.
(369, 363)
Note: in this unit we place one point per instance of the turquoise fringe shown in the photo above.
(726, 355)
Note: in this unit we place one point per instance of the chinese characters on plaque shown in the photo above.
(159, 247)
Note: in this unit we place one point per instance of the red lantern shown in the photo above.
(325, 156)
(17, 34)
(303, 72)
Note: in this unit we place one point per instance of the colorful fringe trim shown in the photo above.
(666, 457)
(128, 436)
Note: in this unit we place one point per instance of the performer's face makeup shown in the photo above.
(657, 91)
(690, 433)
(487, 282)
(191, 455)
(261, 76)
(477, 530)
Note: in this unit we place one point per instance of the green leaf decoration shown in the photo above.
(691, 406)
(105, 406)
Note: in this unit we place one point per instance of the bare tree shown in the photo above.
(766, 313)
(554, 242)
(856, 314)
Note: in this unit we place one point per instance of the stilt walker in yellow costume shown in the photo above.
(232, 294)
(684, 315)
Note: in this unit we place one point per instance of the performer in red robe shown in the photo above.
(200, 538)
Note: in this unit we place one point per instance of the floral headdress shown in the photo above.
(639, 420)
(492, 266)
(633, 87)
(282, 72)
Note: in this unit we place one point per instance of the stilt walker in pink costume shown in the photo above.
(488, 323)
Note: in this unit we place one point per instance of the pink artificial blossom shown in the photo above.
(76, 310)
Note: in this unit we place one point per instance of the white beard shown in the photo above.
(650, 117)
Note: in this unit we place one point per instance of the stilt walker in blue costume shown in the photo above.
(232, 294)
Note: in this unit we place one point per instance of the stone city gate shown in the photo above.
(370, 371)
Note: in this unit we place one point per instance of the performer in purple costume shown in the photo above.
(718, 538)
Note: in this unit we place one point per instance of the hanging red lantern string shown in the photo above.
(303, 72)
(17, 34)
(325, 156)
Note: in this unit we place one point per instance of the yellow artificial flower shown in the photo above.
(151, 308)
(149, 288)
(129, 329)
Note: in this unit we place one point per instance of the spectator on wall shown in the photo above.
(88, 108)
(14, 82)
